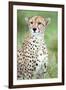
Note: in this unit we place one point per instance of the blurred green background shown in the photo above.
(51, 35)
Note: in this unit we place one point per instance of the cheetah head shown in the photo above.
(37, 24)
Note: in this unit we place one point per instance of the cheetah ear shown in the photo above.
(26, 19)
(47, 21)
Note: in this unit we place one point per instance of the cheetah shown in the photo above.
(32, 57)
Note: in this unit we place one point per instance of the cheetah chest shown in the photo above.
(37, 52)
(33, 59)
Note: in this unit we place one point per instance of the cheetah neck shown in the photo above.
(38, 37)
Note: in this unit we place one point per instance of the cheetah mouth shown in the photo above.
(36, 32)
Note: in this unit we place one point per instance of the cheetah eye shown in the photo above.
(31, 22)
(39, 23)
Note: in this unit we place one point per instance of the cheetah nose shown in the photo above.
(34, 29)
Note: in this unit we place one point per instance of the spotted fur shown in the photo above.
(32, 58)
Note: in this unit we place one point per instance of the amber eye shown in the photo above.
(39, 23)
(31, 22)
